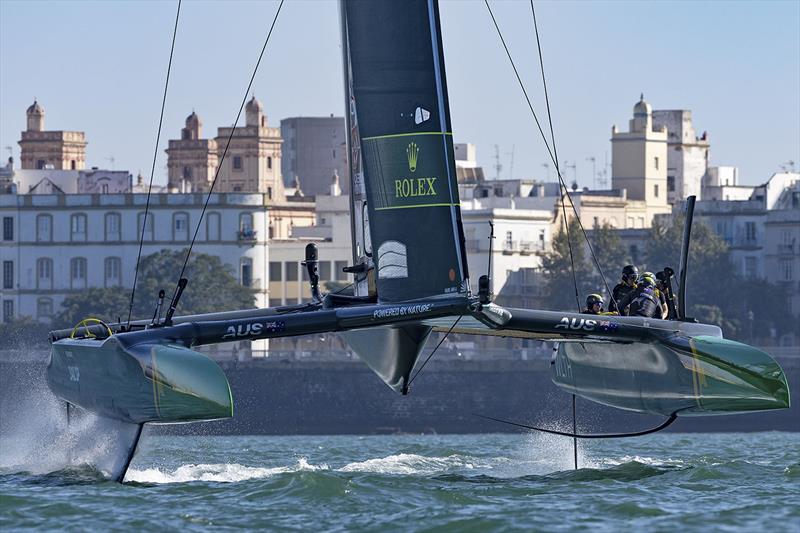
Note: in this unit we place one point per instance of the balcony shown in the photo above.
(247, 235)
(522, 247)
(786, 249)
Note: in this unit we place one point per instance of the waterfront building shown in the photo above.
(639, 166)
(60, 150)
(722, 183)
(687, 154)
(58, 244)
(314, 150)
(252, 163)
(191, 160)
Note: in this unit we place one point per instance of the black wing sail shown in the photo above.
(398, 98)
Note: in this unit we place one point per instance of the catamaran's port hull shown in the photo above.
(700, 375)
(141, 383)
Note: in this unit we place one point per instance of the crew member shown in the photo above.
(629, 276)
(663, 311)
(644, 301)
(594, 305)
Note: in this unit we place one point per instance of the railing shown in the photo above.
(786, 249)
(247, 235)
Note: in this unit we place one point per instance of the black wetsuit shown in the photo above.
(621, 290)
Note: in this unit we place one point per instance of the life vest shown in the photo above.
(646, 303)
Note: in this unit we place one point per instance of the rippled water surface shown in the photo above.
(747, 482)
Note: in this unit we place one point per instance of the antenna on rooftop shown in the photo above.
(498, 166)
(594, 170)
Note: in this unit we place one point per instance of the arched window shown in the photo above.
(77, 273)
(113, 227)
(148, 228)
(78, 227)
(44, 273)
(213, 227)
(44, 309)
(180, 227)
(113, 272)
(44, 228)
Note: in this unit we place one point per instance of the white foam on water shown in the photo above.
(37, 438)
(410, 463)
(221, 473)
(650, 461)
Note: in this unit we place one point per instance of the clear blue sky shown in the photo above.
(99, 67)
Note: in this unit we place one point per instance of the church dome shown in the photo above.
(254, 105)
(35, 109)
(642, 107)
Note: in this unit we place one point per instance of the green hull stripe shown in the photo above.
(407, 135)
(412, 206)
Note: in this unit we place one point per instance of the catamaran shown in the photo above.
(410, 278)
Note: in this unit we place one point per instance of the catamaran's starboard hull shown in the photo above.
(141, 383)
(700, 375)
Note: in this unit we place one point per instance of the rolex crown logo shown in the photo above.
(412, 152)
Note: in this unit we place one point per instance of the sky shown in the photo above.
(99, 67)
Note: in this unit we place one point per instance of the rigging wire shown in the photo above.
(225, 151)
(417, 373)
(153, 168)
(547, 146)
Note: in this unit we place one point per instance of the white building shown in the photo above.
(687, 154)
(57, 244)
(722, 183)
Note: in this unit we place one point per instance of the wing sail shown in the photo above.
(398, 110)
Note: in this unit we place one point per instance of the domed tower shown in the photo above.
(35, 117)
(40, 149)
(193, 129)
(642, 120)
(639, 166)
(254, 114)
(191, 160)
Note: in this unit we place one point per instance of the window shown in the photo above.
(44, 308)
(291, 271)
(275, 271)
(655, 162)
(334, 153)
(8, 274)
(246, 272)
(8, 311)
(187, 173)
(44, 273)
(671, 183)
(750, 231)
(73, 165)
(275, 302)
(509, 240)
(325, 270)
(750, 267)
(148, 227)
(246, 222)
(237, 162)
(113, 226)
(340, 274)
(40, 163)
(78, 227)
(44, 228)
(541, 239)
(269, 162)
(105, 188)
(596, 222)
(180, 227)
(786, 270)
(212, 227)
(8, 229)
(113, 268)
(77, 269)
(655, 191)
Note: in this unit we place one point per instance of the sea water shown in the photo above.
(662, 482)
